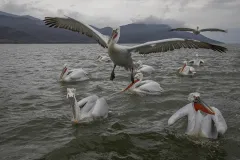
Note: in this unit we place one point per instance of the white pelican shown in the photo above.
(186, 70)
(197, 31)
(144, 87)
(196, 62)
(145, 69)
(121, 55)
(208, 126)
(103, 58)
(68, 75)
(89, 108)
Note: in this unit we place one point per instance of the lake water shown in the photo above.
(35, 114)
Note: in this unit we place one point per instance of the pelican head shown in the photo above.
(64, 70)
(71, 93)
(199, 104)
(196, 55)
(72, 100)
(184, 65)
(138, 77)
(115, 35)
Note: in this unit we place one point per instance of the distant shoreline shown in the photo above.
(82, 43)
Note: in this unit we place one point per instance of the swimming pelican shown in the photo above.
(197, 31)
(144, 87)
(196, 62)
(145, 69)
(103, 58)
(208, 126)
(121, 55)
(73, 74)
(89, 108)
(186, 70)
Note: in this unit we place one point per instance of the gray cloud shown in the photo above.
(191, 13)
(155, 20)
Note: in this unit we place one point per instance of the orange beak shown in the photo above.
(130, 85)
(63, 71)
(200, 105)
(183, 68)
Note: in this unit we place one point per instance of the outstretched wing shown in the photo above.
(213, 30)
(184, 111)
(220, 122)
(172, 44)
(182, 29)
(76, 26)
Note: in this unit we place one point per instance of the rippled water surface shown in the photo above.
(35, 114)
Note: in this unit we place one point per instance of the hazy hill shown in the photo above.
(28, 29)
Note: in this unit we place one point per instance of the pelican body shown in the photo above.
(144, 87)
(103, 58)
(196, 62)
(89, 108)
(68, 75)
(145, 69)
(197, 31)
(208, 126)
(120, 54)
(186, 70)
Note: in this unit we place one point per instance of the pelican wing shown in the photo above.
(212, 30)
(76, 26)
(182, 29)
(220, 122)
(180, 113)
(78, 73)
(172, 44)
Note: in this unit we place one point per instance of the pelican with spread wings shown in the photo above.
(120, 54)
(197, 31)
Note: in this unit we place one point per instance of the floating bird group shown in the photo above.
(93, 107)
(120, 54)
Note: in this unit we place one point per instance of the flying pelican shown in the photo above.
(89, 108)
(121, 55)
(208, 126)
(145, 69)
(186, 70)
(73, 74)
(144, 87)
(196, 62)
(197, 31)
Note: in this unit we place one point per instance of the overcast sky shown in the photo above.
(203, 13)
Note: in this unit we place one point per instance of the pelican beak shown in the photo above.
(130, 85)
(114, 34)
(63, 71)
(182, 68)
(201, 105)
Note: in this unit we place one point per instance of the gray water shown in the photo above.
(35, 114)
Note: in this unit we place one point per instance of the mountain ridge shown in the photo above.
(35, 31)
